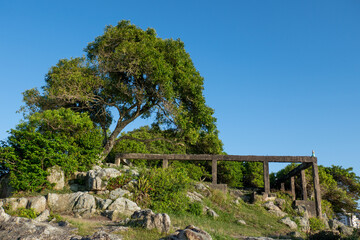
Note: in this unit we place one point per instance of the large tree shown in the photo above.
(136, 74)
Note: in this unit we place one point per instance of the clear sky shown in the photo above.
(282, 76)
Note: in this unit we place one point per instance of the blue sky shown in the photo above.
(282, 76)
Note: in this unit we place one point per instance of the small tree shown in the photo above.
(54, 137)
(137, 74)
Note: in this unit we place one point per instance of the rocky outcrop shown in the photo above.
(37, 203)
(190, 233)
(62, 202)
(287, 221)
(96, 179)
(148, 220)
(56, 177)
(272, 208)
(194, 196)
(85, 205)
(118, 193)
(124, 205)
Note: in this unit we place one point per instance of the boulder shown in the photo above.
(124, 205)
(148, 220)
(118, 193)
(194, 196)
(44, 216)
(97, 178)
(280, 203)
(57, 177)
(210, 212)
(37, 203)
(303, 223)
(287, 221)
(272, 208)
(102, 204)
(190, 233)
(62, 202)
(85, 205)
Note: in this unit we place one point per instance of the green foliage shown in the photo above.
(137, 74)
(54, 137)
(118, 182)
(195, 171)
(168, 189)
(231, 173)
(253, 174)
(287, 207)
(141, 192)
(316, 224)
(195, 208)
(23, 212)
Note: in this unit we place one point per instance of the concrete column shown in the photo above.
(165, 163)
(282, 187)
(317, 189)
(266, 177)
(214, 171)
(292, 187)
(303, 185)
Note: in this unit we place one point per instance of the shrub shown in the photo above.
(54, 137)
(118, 182)
(325, 235)
(195, 208)
(316, 224)
(167, 189)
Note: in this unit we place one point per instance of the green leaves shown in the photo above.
(54, 137)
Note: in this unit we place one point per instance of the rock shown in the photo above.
(3, 215)
(102, 204)
(190, 233)
(97, 178)
(335, 224)
(278, 213)
(62, 202)
(118, 193)
(345, 230)
(27, 229)
(287, 221)
(57, 177)
(124, 205)
(148, 220)
(101, 235)
(85, 205)
(258, 238)
(302, 211)
(303, 223)
(280, 203)
(211, 212)
(44, 216)
(37, 203)
(194, 196)
(240, 221)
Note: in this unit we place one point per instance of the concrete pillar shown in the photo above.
(292, 187)
(317, 189)
(282, 187)
(266, 177)
(214, 171)
(165, 163)
(303, 185)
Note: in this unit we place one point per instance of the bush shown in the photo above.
(118, 182)
(325, 235)
(195, 208)
(54, 137)
(231, 173)
(167, 189)
(316, 224)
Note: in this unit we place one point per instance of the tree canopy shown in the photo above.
(136, 74)
(54, 137)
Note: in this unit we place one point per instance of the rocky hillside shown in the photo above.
(111, 203)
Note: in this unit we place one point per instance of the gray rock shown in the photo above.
(37, 203)
(280, 203)
(118, 193)
(278, 213)
(240, 221)
(57, 177)
(62, 202)
(124, 205)
(148, 220)
(287, 221)
(304, 223)
(345, 230)
(102, 204)
(335, 224)
(44, 216)
(194, 196)
(97, 178)
(211, 212)
(85, 205)
(190, 233)
(271, 206)
(3, 215)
